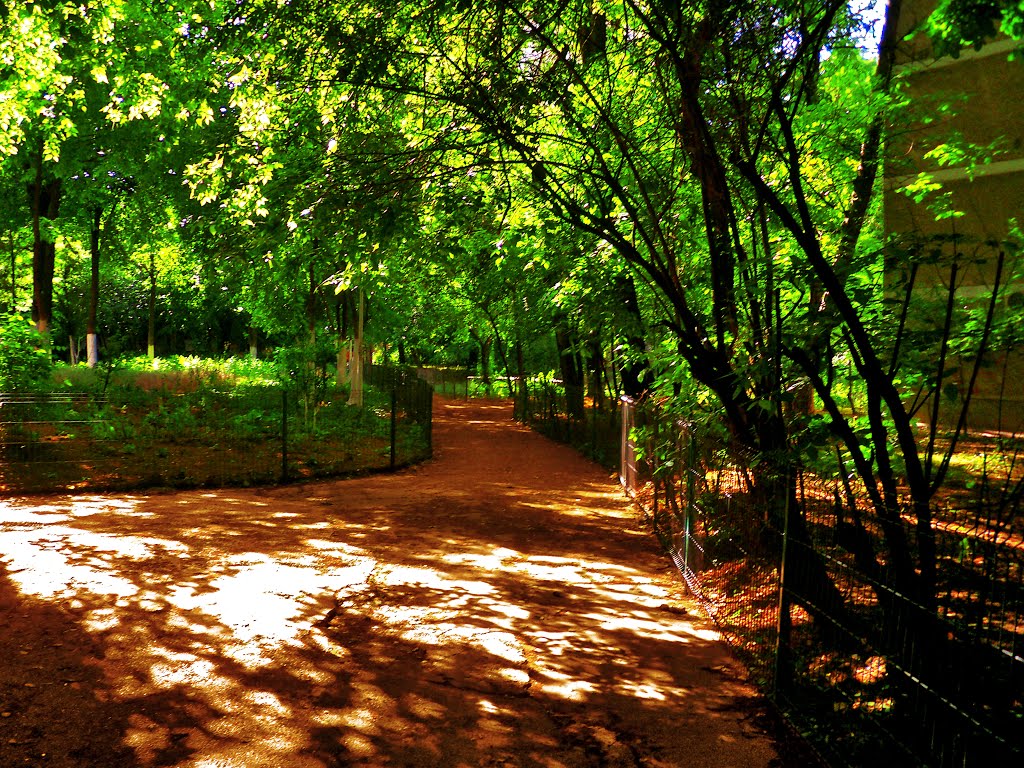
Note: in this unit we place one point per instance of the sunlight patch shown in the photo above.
(644, 691)
(40, 570)
(101, 620)
(336, 548)
(84, 507)
(268, 700)
(673, 631)
(187, 673)
(569, 574)
(509, 610)
(29, 517)
(492, 562)
(501, 644)
(557, 643)
(571, 690)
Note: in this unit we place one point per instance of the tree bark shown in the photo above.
(14, 269)
(484, 341)
(636, 378)
(92, 347)
(520, 372)
(571, 368)
(356, 363)
(595, 371)
(311, 292)
(44, 201)
(151, 327)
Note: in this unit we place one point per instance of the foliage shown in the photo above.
(306, 370)
(957, 23)
(679, 200)
(25, 362)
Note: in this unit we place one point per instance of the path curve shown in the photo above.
(497, 606)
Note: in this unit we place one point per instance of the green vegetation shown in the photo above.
(678, 202)
(186, 421)
(25, 364)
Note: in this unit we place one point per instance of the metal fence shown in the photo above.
(409, 409)
(134, 438)
(446, 381)
(869, 675)
(567, 414)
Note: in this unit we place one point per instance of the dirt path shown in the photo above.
(497, 606)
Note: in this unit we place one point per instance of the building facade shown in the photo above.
(965, 131)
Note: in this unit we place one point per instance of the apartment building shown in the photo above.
(976, 99)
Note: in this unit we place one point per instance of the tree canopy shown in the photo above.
(682, 199)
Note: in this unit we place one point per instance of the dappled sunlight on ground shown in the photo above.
(463, 613)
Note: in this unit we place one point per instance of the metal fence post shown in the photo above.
(783, 662)
(689, 490)
(654, 468)
(593, 428)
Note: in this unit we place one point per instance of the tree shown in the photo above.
(80, 77)
(727, 152)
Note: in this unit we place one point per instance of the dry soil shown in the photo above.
(499, 605)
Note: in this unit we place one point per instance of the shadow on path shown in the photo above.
(496, 606)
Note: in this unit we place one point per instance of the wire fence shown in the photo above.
(593, 425)
(869, 674)
(452, 381)
(130, 437)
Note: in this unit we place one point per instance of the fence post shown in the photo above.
(593, 428)
(394, 416)
(683, 434)
(284, 435)
(430, 421)
(783, 661)
(654, 469)
(625, 454)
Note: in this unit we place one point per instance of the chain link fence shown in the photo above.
(871, 676)
(136, 438)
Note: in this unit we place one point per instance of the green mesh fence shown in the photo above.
(871, 675)
(132, 438)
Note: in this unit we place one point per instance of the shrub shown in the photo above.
(25, 362)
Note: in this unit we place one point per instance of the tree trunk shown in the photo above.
(14, 269)
(595, 372)
(636, 378)
(92, 347)
(342, 311)
(151, 328)
(484, 342)
(356, 365)
(499, 347)
(485, 361)
(44, 201)
(571, 367)
(311, 307)
(254, 342)
(520, 373)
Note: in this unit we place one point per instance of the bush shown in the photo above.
(307, 371)
(25, 362)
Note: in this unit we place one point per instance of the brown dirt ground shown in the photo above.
(500, 605)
